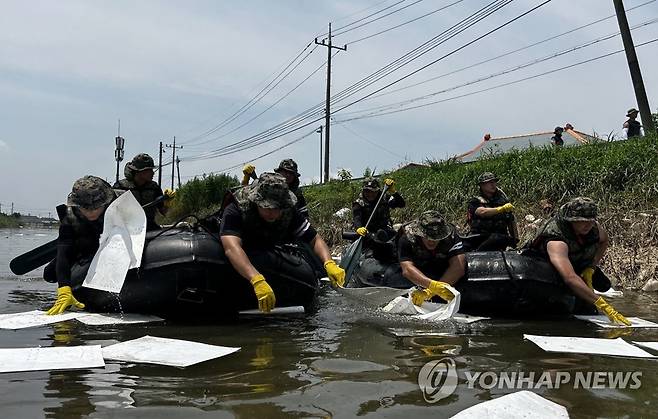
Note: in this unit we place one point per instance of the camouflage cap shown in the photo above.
(487, 177)
(141, 162)
(90, 192)
(271, 191)
(430, 225)
(371, 184)
(288, 165)
(632, 111)
(579, 209)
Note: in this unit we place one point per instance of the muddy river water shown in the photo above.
(342, 361)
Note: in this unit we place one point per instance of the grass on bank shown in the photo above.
(622, 176)
(7, 221)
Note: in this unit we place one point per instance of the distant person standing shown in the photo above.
(632, 127)
(556, 139)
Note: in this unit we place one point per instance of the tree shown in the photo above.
(344, 174)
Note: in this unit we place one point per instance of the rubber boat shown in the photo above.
(185, 272)
(503, 284)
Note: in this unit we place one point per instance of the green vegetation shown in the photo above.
(201, 196)
(8, 221)
(622, 176)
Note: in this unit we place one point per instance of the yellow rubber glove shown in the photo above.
(264, 293)
(435, 288)
(169, 196)
(361, 231)
(335, 273)
(505, 208)
(608, 310)
(248, 169)
(419, 296)
(587, 274)
(439, 288)
(65, 299)
(391, 185)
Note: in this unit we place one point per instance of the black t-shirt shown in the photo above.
(429, 261)
(260, 233)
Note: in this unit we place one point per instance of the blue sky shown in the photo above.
(70, 69)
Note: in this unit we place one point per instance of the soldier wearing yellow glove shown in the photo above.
(81, 224)
(263, 216)
(138, 179)
(490, 217)
(381, 224)
(428, 248)
(573, 241)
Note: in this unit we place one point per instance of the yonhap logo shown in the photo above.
(438, 379)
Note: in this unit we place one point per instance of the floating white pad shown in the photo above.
(650, 345)
(428, 311)
(594, 346)
(34, 318)
(373, 296)
(121, 245)
(276, 310)
(56, 358)
(103, 319)
(522, 404)
(611, 293)
(603, 321)
(165, 351)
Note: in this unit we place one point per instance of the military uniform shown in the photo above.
(557, 137)
(433, 263)
(241, 218)
(290, 165)
(490, 233)
(78, 236)
(582, 249)
(633, 128)
(381, 220)
(144, 194)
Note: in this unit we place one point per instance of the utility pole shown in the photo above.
(319, 130)
(118, 151)
(634, 67)
(327, 109)
(178, 170)
(160, 165)
(12, 209)
(173, 159)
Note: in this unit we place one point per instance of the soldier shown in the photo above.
(428, 248)
(363, 207)
(632, 127)
(81, 224)
(288, 169)
(556, 139)
(263, 216)
(139, 180)
(492, 224)
(574, 242)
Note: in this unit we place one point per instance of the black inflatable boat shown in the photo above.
(185, 272)
(507, 284)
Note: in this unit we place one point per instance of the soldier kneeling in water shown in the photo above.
(574, 242)
(264, 216)
(81, 224)
(429, 248)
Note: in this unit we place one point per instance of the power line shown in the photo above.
(376, 19)
(287, 126)
(448, 54)
(499, 73)
(509, 52)
(497, 86)
(262, 155)
(405, 23)
(366, 17)
(259, 96)
(356, 134)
